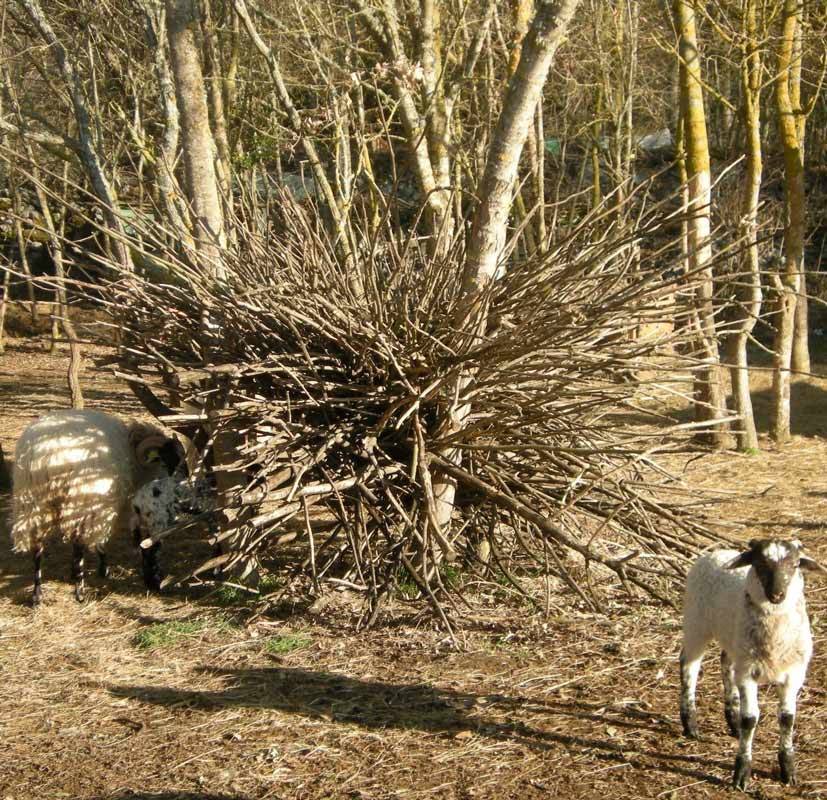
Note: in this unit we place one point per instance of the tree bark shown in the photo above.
(197, 141)
(710, 402)
(789, 282)
(171, 198)
(215, 93)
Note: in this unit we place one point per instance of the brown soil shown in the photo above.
(572, 706)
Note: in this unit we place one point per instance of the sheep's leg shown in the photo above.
(732, 701)
(690, 667)
(748, 691)
(103, 566)
(787, 697)
(37, 594)
(78, 555)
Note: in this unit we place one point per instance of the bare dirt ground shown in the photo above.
(129, 696)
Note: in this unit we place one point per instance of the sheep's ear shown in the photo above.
(805, 562)
(741, 560)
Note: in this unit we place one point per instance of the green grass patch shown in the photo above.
(286, 643)
(226, 595)
(165, 634)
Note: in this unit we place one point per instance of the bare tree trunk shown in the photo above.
(788, 282)
(487, 240)
(197, 141)
(710, 404)
(748, 291)
(215, 93)
(800, 361)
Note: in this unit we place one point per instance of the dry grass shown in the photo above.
(575, 705)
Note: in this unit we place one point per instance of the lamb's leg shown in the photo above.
(787, 696)
(78, 554)
(732, 702)
(690, 667)
(748, 691)
(103, 566)
(37, 594)
(151, 567)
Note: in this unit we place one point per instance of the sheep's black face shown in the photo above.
(775, 562)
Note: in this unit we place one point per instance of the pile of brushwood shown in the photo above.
(329, 400)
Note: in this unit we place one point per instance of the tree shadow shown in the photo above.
(807, 402)
(422, 707)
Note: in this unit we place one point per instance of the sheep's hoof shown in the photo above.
(742, 773)
(786, 764)
(690, 725)
(79, 594)
(37, 598)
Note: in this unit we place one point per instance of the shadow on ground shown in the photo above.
(168, 796)
(377, 705)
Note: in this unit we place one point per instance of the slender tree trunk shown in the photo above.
(340, 222)
(801, 340)
(489, 229)
(197, 141)
(167, 185)
(710, 402)
(788, 283)
(62, 305)
(21, 246)
(88, 152)
(748, 291)
(4, 301)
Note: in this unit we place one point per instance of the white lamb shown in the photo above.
(752, 604)
(75, 473)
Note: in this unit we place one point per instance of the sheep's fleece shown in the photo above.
(74, 475)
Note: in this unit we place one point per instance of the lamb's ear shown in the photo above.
(741, 560)
(171, 453)
(805, 562)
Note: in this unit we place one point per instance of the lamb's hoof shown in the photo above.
(103, 570)
(79, 594)
(786, 764)
(742, 773)
(37, 598)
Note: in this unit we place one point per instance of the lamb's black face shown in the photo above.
(775, 562)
